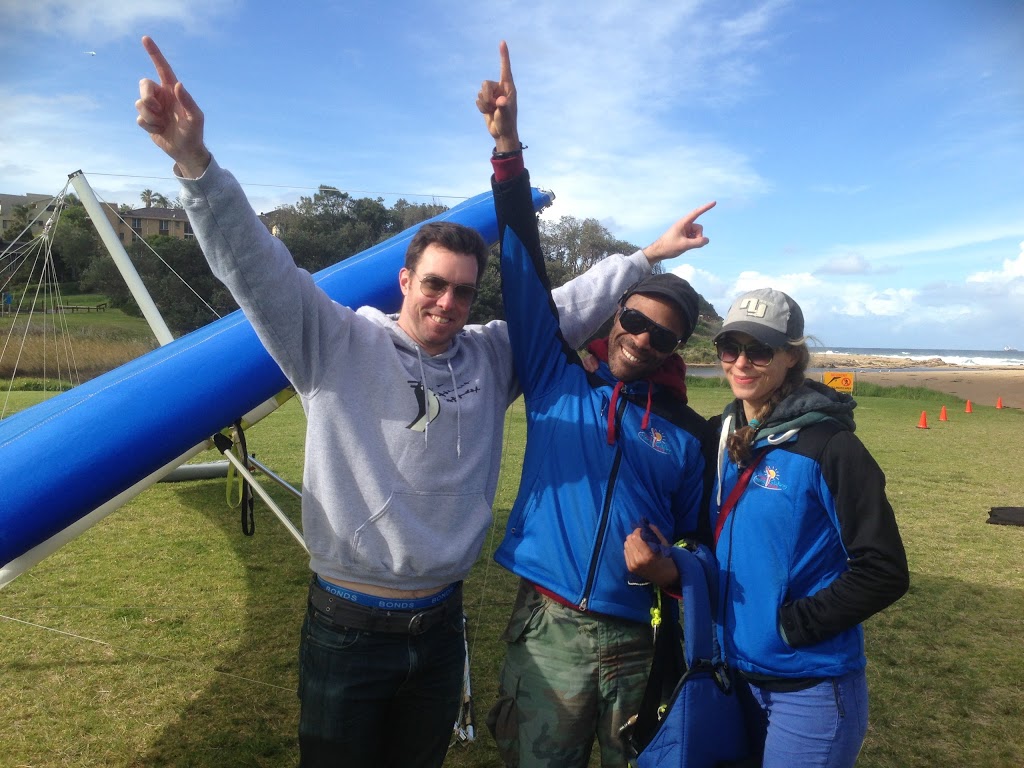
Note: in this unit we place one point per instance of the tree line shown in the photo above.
(319, 230)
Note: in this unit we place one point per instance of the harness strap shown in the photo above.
(737, 491)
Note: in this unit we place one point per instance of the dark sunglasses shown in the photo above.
(635, 322)
(434, 287)
(758, 354)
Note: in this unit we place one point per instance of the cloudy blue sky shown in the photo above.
(867, 157)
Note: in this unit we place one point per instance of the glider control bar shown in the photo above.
(224, 445)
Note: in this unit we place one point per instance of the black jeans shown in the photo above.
(375, 699)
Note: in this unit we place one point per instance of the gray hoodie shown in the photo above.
(403, 448)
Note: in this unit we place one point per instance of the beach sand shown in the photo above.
(981, 385)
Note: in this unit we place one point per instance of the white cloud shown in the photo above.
(847, 264)
(1013, 270)
(98, 21)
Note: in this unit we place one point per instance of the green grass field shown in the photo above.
(165, 637)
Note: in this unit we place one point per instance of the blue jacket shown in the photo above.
(579, 496)
(811, 549)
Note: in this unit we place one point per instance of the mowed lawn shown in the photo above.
(165, 637)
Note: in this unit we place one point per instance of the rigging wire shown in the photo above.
(173, 271)
(319, 188)
(144, 654)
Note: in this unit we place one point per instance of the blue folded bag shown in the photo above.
(701, 726)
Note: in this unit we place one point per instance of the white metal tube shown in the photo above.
(120, 257)
(240, 466)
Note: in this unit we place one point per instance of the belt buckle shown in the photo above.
(416, 623)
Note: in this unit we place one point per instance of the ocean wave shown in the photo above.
(966, 358)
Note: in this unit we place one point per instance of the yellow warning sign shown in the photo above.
(841, 382)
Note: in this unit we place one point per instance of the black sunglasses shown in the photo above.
(434, 287)
(635, 322)
(758, 354)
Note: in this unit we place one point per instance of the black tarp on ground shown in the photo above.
(1006, 516)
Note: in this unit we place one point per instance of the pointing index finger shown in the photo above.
(506, 65)
(163, 69)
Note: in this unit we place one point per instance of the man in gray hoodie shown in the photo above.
(403, 446)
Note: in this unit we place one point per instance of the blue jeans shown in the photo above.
(376, 699)
(818, 727)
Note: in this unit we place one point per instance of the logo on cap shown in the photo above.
(754, 307)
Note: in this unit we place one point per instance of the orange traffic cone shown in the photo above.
(968, 408)
(942, 414)
(923, 423)
(999, 402)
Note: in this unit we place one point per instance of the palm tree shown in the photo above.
(148, 196)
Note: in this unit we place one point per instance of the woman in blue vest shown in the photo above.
(806, 540)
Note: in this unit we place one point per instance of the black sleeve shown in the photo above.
(709, 448)
(878, 575)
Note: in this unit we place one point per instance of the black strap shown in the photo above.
(248, 503)
(667, 668)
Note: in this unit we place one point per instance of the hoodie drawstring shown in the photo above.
(615, 401)
(426, 401)
(611, 412)
(426, 395)
(458, 413)
(723, 438)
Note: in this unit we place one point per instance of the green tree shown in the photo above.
(174, 296)
(576, 245)
(75, 243)
(332, 225)
(17, 230)
(488, 304)
(406, 214)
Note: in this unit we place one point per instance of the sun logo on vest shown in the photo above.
(654, 438)
(768, 478)
(429, 407)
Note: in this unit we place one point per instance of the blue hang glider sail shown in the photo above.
(68, 456)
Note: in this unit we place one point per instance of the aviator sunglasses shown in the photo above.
(758, 354)
(635, 322)
(434, 287)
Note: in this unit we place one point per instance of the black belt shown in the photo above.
(345, 613)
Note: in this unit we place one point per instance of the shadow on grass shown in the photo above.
(945, 667)
(248, 713)
(235, 722)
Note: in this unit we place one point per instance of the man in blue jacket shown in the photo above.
(607, 453)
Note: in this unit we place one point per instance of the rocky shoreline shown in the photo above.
(982, 385)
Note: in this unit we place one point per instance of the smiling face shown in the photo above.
(754, 384)
(433, 323)
(632, 357)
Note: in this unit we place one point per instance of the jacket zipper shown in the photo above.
(605, 508)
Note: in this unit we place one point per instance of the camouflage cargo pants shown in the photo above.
(568, 677)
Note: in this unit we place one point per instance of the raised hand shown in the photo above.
(171, 117)
(683, 235)
(497, 102)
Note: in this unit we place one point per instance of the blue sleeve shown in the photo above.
(539, 350)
